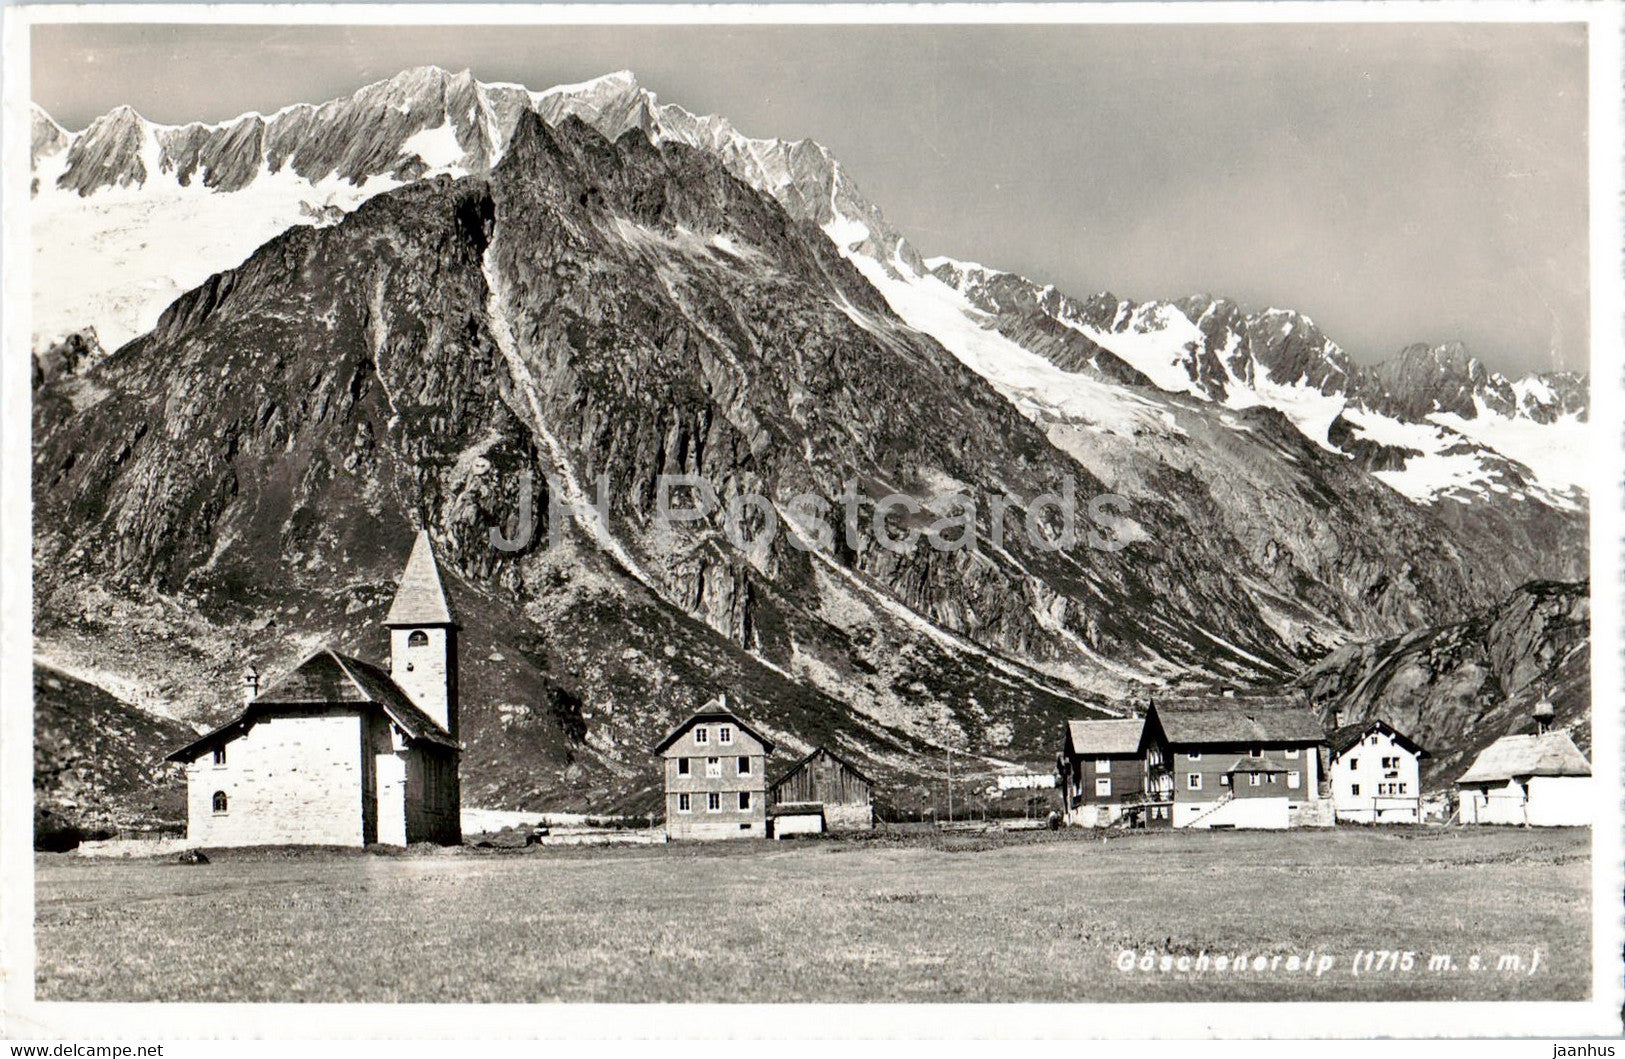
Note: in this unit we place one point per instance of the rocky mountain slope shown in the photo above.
(98, 762)
(1460, 686)
(469, 282)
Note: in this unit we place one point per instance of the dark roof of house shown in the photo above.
(1105, 737)
(796, 809)
(1349, 736)
(832, 755)
(326, 677)
(1255, 764)
(1519, 756)
(421, 598)
(715, 710)
(1252, 719)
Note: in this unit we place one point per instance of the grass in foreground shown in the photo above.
(1042, 917)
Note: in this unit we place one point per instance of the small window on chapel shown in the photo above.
(220, 755)
(418, 638)
(219, 802)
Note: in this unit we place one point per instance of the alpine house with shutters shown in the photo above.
(339, 752)
(716, 776)
(1106, 773)
(1376, 774)
(1238, 761)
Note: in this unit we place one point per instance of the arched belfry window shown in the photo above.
(417, 638)
(219, 801)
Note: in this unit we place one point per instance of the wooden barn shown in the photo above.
(823, 780)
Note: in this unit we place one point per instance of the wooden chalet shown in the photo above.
(1105, 775)
(716, 775)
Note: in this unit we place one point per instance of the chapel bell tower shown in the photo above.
(423, 638)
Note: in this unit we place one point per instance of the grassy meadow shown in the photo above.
(927, 917)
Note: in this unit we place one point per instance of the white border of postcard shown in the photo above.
(1600, 1016)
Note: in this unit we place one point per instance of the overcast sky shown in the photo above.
(1397, 183)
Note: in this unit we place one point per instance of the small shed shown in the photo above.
(824, 778)
(1540, 780)
(795, 818)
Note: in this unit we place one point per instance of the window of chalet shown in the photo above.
(1102, 765)
(744, 800)
(1224, 780)
(713, 802)
(1103, 788)
(1401, 788)
(1354, 789)
(683, 803)
(725, 735)
(1292, 779)
(220, 755)
(1254, 779)
(682, 766)
(1194, 781)
(218, 803)
(744, 766)
(702, 734)
(1195, 755)
(1390, 762)
(1256, 751)
(713, 768)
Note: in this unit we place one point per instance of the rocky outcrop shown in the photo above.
(68, 356)
(1456, 688)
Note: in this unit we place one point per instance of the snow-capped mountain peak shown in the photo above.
(309, 163)
(173, 204)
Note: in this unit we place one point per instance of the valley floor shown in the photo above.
(1029, 917)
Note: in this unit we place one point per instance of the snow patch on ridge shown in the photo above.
(1032, 383)
(1311, 411)
(1556, 452)
(151, 244)
(439, 149)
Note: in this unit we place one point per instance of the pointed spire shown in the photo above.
(421, 598)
